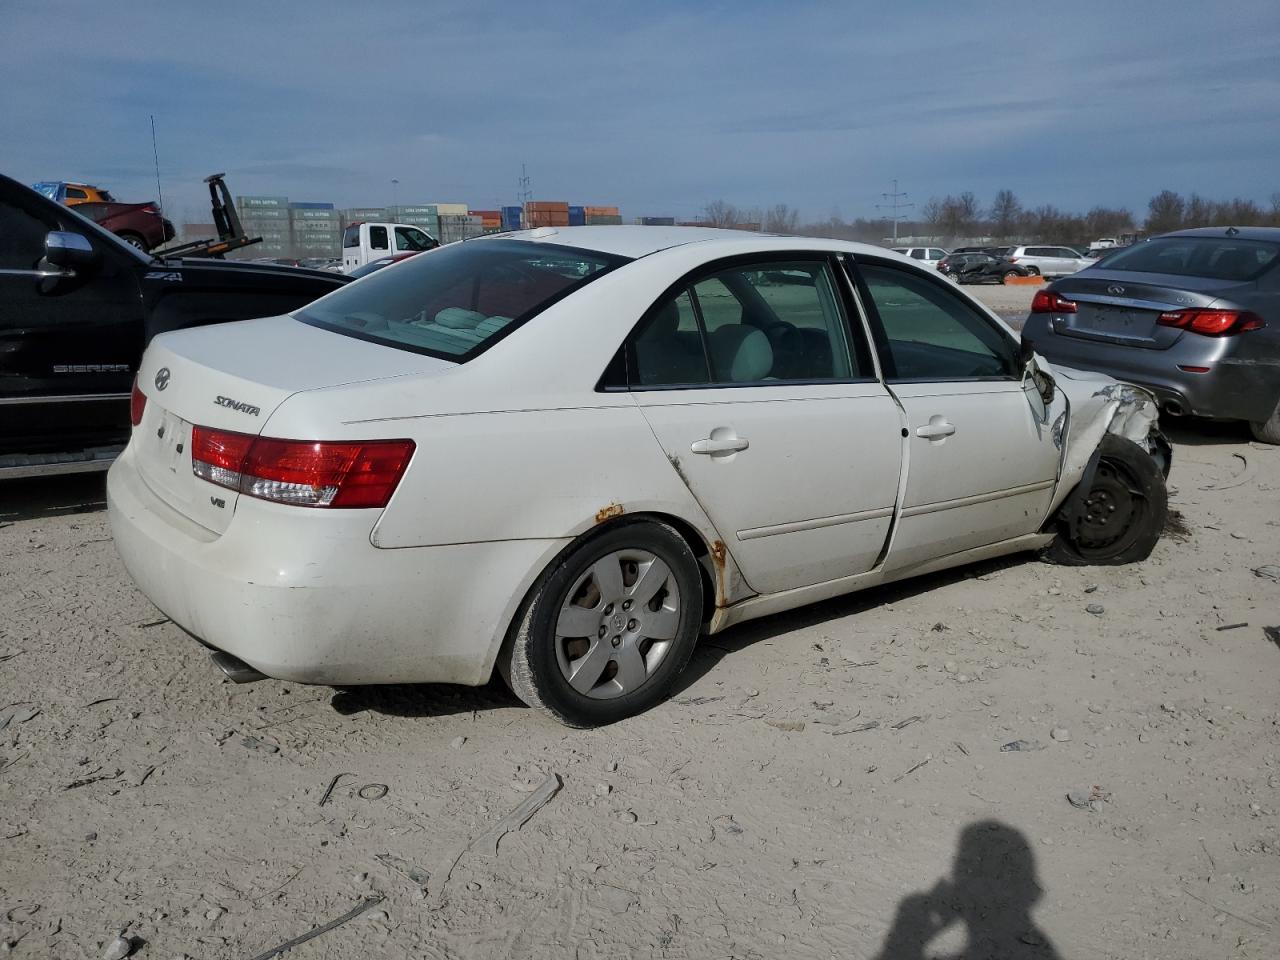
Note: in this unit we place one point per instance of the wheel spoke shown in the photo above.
(607, 572)
(662, 624)
(651, 581)
(588, 668)
(632, 671)
(576, 621)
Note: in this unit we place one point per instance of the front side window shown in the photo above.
(929, 333)
(759, 323)
(407, 238)
(378, 238)
(456, 301)
(1219, 258)
(75, 193)
(22, 235)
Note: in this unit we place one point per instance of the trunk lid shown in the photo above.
(232, 377)
(1121, 308)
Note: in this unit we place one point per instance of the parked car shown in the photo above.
(77, 306)
(1193, 316)
(1048, 261)
(365, 242)
(954, 264)
(565, 453)
(72, 194)
(927, 254)
(374, 265)
(137, 224)
(983, 268)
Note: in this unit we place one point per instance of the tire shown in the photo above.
(1011, 273)
(1125, 512)
(134, 240)
(1033, 271)
(1267, 431)
(625, 663)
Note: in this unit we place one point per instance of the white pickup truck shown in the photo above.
(365, 242)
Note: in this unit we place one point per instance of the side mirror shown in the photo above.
(68, 250)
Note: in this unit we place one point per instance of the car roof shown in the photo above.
(636, 241)
(1241, 233)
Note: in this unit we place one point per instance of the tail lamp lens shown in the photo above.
(137, 404)
(305, 473)
(1212, 323)
(1050, 301)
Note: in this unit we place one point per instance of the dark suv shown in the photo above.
(77, 306)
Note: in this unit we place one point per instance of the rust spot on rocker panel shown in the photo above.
(718, 556)
(609, 512)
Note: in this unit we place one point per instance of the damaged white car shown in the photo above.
(565, 454)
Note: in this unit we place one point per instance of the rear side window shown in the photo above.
(457, 301)
(351, 236)
(378, 238)
(1219, 258)
(759, 324)
(75, 193)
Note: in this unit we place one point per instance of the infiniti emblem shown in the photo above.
(162, 378)
(1115, 289)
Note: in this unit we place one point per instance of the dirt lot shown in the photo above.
(829, 783)
(1011, 304)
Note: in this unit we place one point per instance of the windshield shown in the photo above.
(457, 301)
(1219, 258)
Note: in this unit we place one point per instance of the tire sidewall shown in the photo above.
(535, 642)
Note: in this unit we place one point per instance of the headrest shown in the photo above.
(741, 353)
(458, 318)
(664, 322)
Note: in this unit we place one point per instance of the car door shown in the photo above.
(983, 455)
(69, 346)
(765, 401)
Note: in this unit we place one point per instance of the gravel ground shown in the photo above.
(832, 782)
(1011, 304)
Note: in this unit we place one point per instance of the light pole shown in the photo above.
(395, 200)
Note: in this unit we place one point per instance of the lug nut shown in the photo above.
(631, 624)
(626, 604)
(602, 632)
(608, 609)
(617, 641)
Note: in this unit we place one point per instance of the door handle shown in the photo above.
(720, 445)
(936, 429)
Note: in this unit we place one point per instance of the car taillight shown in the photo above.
(1050, 301)
(150, 208)
(305, 473)
(1012, 259)
(1212, 323)
(137, 403)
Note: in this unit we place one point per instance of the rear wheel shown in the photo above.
(1033, 271)
(134, 240)
(609, 627)
(1122, 514)
(1010, 275)
(1267, 431)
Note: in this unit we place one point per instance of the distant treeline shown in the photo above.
(951, 217)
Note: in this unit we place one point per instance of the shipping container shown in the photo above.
(310, 205)
(413, 210)
(454, 228)
(451, 209)
(658, 221)
(558, 206)
(512, 218)
(315, 216)
(361, 214)
(577, 216)
(603, 220)
(600, 211)
(266, 213)
(262, 203)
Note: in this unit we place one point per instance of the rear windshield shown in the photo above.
(457, 301)
(1219, 258)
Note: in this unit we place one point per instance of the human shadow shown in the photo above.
(34, 498)
(986, 902)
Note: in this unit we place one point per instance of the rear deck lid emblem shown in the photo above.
(1115, 290)
(162, 378)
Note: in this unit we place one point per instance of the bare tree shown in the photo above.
(780, 218)
(717, 213)
(1005, 211)
(959, 215)
(1165, 212)
(931, 213)
(1107, 222)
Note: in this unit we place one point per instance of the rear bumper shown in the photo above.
(1232, 389)
(303, 595)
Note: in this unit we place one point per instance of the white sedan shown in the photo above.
(565, 454)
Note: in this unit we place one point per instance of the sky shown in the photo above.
(656, 107)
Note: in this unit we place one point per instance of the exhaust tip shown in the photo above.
(1173, 408)
(237, 670)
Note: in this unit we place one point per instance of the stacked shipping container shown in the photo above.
(546, 213)
(598, 216)
(268, 218)
(316, 230)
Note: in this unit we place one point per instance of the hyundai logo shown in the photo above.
(1115, 289)
(162, 378)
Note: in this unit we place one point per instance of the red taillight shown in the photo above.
(1212, 323)
(1050, 301)
(150, 208)
(1012, 259)
(137, 403)
(307, 473)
